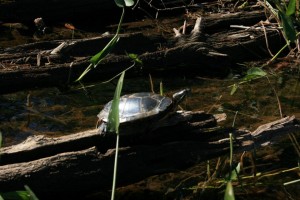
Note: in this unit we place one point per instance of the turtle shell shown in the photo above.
(138, 106)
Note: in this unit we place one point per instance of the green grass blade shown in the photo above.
(31, 193)
(291, 8)
(84, 73)
(1, 198)
(115, 169)
(16, 195)
(229, 193)
(113, 126)
(231, 149)
(235, 172)
(161, 89)
(113, 116)
(96, 59)
(234, 88)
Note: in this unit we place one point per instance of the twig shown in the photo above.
(266, 38)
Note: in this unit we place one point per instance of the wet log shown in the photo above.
(20, 70)
(90, 169)
(36, 147)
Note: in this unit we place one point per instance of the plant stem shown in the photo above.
(277, 54)
(231, 153)
(115, 169)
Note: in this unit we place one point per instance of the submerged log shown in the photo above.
(57, 167)
(58, 63)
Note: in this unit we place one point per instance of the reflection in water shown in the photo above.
(50, 112)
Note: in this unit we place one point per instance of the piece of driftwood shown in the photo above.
(84, 170)
(58, 63)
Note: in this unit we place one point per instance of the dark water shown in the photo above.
(51, 112)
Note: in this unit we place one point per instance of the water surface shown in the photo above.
(54, 113)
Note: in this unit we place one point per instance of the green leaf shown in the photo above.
(96, 59)
(113, 116)
(120, 3)
(291, 8)
(235, 172)
(123, 3)
(229, 193)
(288, 27)
(256, 71)
(129, 3)
(16, 195)
(1, 198)
(234, 88)
(31, 193)
(253, 73)
(135, 58)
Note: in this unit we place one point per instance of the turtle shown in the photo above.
(139, 112)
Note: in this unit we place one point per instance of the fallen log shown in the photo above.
(36, 147)
(90, 169)
(42, 64)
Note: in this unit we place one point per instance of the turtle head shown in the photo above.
(179, 96)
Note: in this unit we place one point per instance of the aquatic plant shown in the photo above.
(286, 16)
(26, 194)
(113, 126)
(232, 175)
(252, 74)
(113, 116)
(97, 58)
